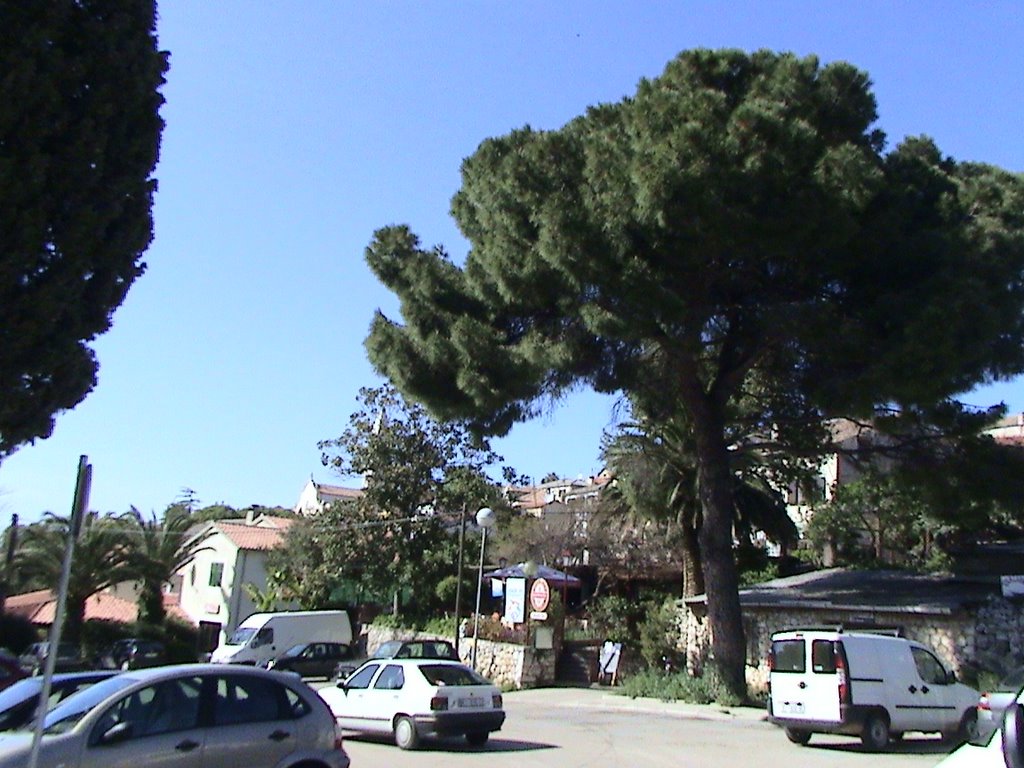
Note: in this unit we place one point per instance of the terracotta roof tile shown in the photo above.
(251, 537)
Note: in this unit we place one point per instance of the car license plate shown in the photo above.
(471, 702)
(792, 708)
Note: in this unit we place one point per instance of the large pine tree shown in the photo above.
(79, 138)
(733, 248)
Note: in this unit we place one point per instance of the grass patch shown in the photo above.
(678, 686)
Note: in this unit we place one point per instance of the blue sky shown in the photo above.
(295, 129)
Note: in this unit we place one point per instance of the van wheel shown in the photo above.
(966, 731)
(875, 735)
(798, 736)
(477, 738)
(406, 735)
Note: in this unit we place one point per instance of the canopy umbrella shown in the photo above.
(553, 576)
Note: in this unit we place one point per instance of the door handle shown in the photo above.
(279, 735)
(186, 746)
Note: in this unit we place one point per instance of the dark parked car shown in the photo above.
(401, 649)
(18, 702)
(133, 653)
(312, 659)
(69, 658)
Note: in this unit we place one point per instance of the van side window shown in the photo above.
(789, 656)
(929, 668)
(823, 656)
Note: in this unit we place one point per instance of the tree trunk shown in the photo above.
(151, 604)
(715, 488)
(693, 572)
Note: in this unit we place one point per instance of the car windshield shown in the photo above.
(295, 650)
(451, 674)
(63, 717)
(241, 636)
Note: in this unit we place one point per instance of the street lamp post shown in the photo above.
(485, 519)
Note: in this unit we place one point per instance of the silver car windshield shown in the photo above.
(63, 717)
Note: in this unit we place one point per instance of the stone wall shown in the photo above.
(509, 666)
(988, 637)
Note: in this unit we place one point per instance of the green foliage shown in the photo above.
(79, 137)
(731, 248)
(876, 521)
(658, 635)
(157, 549)
(17, 632)
(679, 686)
(101, 559)
(401, 536)
(613, 617)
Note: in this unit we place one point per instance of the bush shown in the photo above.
(658, 635)
(679, 686)
(17, 633)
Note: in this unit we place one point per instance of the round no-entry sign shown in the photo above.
(540, 595)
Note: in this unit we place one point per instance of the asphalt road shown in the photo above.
(573, 728)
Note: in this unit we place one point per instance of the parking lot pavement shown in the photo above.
(609, 699)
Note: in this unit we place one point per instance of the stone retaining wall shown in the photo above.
(509, 666)
(989, 637)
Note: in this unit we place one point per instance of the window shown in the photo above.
(823, 656)
(216, 574)
(166, 707)
(362, 678)
(391, 679)
(242, 699)
(929, 668)
(788, 656)
(447, 674)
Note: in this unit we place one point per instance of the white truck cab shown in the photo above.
(265, 636)
(872, 685)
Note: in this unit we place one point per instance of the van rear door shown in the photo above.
(806, 676)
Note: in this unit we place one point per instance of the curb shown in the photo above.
(591, 698)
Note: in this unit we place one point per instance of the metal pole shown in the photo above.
(77, 513)
(458, 583)
(479, 589)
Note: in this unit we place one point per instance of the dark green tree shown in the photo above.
(79, 138)
(733, 233)
(400, 539)
(101, 559)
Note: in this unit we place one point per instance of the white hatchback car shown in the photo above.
(184, 716)
(412, 698)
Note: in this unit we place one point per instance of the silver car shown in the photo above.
(194, 715)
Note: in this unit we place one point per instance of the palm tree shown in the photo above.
(157, 550)
(101, 560)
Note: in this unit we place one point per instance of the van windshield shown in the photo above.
(241, 636)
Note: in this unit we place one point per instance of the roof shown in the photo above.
(543, 572)
(337, 491)
(252, 537)
(843, 589)
(40, 607)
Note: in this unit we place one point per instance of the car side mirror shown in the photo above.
(116, 734)
(1013, 736)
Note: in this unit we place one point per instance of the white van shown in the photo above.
(264, 636)
(865, 684)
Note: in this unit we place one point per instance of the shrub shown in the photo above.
(17, 632)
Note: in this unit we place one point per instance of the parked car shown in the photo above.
(176, 716)
(413, 698)
(19, 702)
(875, 686)
(132, 653)
(69, 658)
(312, 659)
(401, 649)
